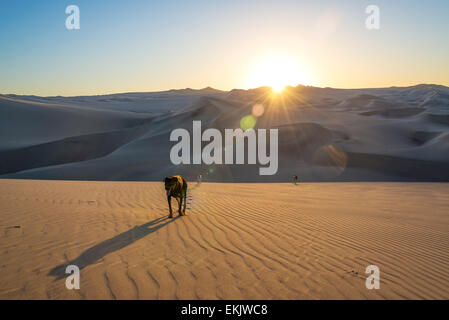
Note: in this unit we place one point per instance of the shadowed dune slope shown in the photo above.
(325, 134)
(27, 123)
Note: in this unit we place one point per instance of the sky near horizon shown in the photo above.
(137, 46)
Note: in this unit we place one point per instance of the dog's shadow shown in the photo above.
(97, 252)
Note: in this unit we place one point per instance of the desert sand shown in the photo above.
(238, 240)
(325, 134)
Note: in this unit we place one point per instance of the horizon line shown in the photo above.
(219, 90)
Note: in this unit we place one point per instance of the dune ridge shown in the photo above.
(325, 134)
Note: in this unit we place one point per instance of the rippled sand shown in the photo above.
(238, 241)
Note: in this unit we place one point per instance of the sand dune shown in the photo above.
(238, 241)
(26, 123)
(136, 102)
(72, 149)
(395, 113)
(325, 134)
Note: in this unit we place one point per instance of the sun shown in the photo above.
(277, 73)
(278, 87)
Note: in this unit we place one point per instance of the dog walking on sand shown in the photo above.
(176, 187)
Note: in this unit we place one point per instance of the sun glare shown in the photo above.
(277, 73)
(278, 87)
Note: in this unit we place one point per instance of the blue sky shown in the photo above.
(141, 45)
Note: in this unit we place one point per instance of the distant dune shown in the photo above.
(238, 241)
(386, 134)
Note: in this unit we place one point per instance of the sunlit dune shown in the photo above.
(238, 241)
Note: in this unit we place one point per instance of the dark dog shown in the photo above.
(176, 187)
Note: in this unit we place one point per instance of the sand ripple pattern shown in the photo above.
(238, 241)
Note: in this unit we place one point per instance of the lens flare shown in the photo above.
(258, 110)
(248, 122)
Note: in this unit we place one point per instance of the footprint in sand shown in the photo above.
(352, 272)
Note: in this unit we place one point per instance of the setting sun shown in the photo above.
(277, 73)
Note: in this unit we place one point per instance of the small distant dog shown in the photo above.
(176, 187)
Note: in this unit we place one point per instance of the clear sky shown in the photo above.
(138, 45)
